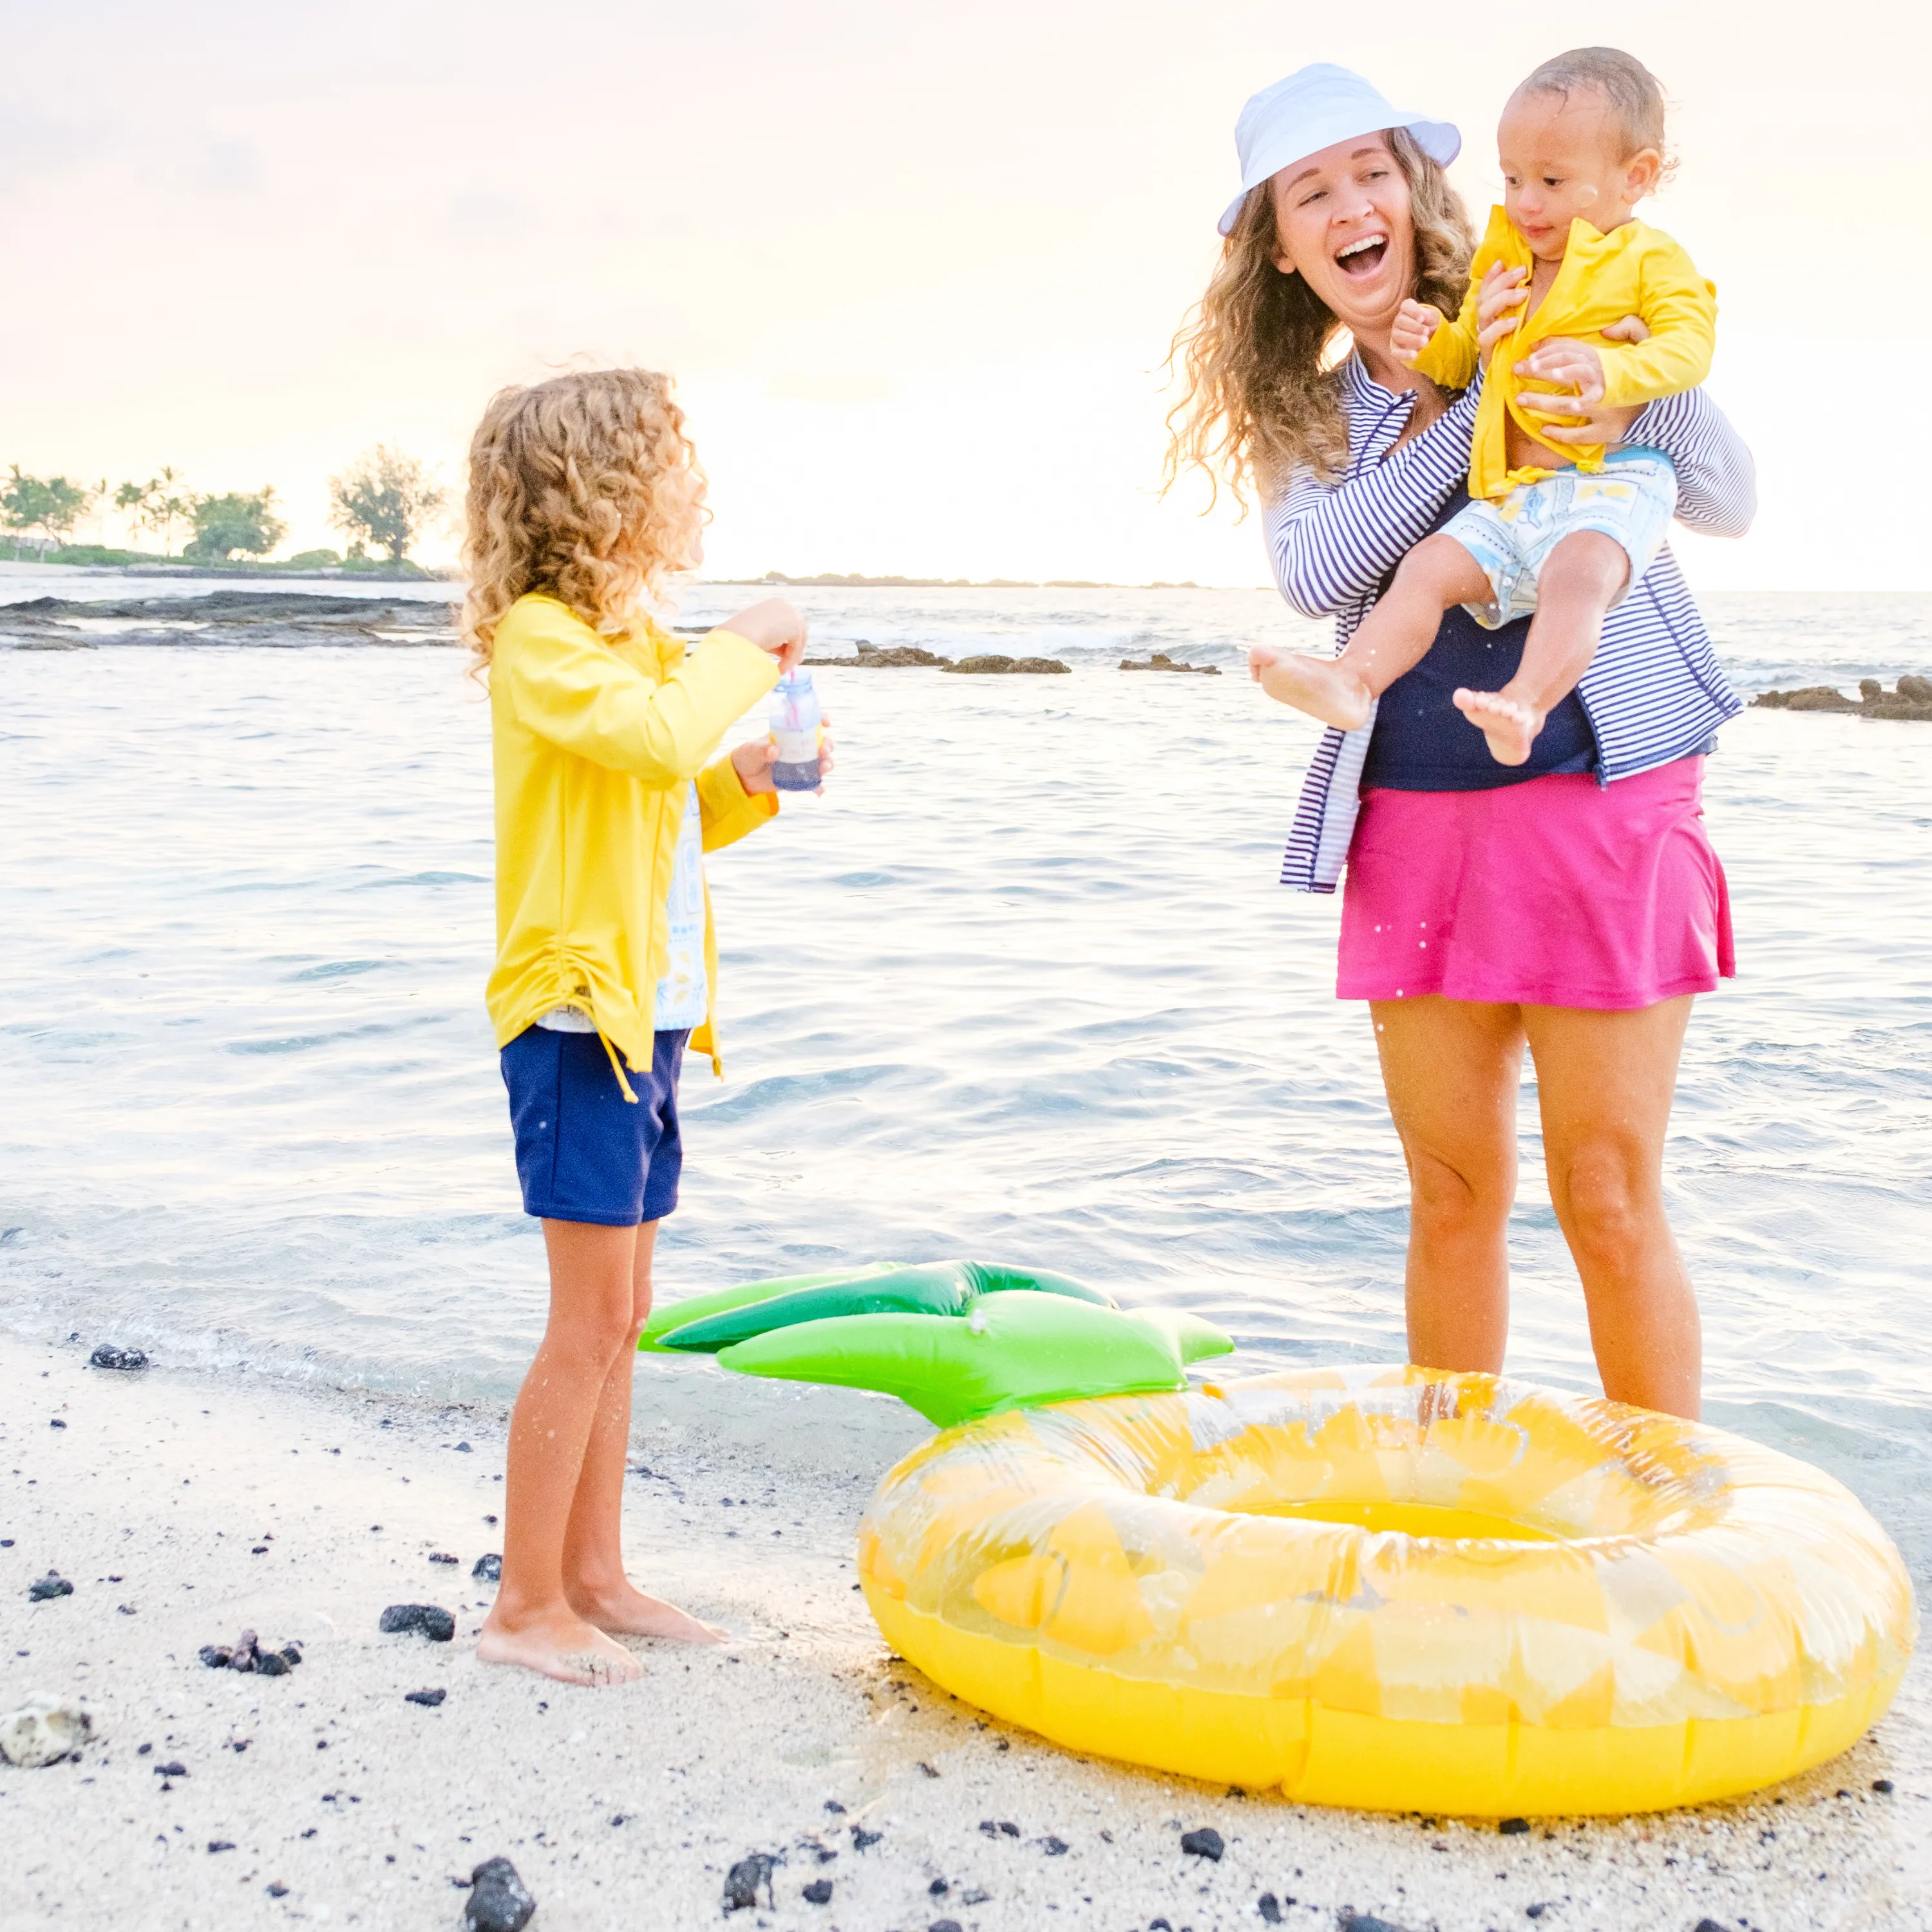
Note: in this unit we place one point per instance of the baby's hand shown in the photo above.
(1631, 328)
(1572, 366)
(1409, 333)
(773, 625)
(1503, 293)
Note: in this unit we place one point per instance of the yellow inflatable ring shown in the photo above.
(1397, 1589)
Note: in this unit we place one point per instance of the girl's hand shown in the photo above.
(1503, 293)
(753, 759)
(1409, 333)
(773, 625)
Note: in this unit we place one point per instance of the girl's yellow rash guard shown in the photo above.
(595, 739)
(1633, 270)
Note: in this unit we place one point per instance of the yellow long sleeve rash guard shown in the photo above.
(595, 740)
(1634, 270)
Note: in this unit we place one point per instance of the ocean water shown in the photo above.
(1020, 987)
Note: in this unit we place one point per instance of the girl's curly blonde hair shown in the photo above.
(586, 488)
(1261, 350)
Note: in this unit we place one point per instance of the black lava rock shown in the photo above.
(1711, 1925)
(443, 1556)
(488, 1569)
(944, 1925)
(746, 1879)
(1365, 1921)
(938, 1888)
(107, 1356)
(1205, 1844)
(1882, 1785)
(1512, 1827)
(861, 1838)
(175, 1770)
(1269, 1907)
(498, 1900)
(215, 1656)
(819, 1892)
(272, 1663)
(42, 1589)
(428, 1699)
(1057, 1848)
(221, 1844)
(438, 1625)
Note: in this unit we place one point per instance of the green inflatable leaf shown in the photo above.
(1010, 1349)
(710, 1322)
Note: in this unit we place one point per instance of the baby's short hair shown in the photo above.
(1628, 85)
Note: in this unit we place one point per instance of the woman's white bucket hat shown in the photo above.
(1313, 110)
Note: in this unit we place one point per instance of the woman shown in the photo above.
(1572, 904)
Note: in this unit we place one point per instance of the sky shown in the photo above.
(915, 268)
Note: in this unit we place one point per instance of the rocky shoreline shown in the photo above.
(289, 619)
(1910, 698)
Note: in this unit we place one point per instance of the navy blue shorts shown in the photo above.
(584, 1153)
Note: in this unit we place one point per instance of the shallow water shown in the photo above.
(1021, 987)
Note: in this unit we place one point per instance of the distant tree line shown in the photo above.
(384, 500)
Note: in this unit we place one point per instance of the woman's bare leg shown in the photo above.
(1451, 1068)
(1436, 575)
(1605, 1081)
(594, 1580)
(533, 1622)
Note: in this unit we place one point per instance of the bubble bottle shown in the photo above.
(797, 731)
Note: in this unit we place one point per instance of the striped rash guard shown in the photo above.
(1654, 692)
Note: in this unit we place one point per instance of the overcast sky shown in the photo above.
(915, 267)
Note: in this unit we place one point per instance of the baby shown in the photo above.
(1563, 537)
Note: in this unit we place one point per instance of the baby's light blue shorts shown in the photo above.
(1631, 500)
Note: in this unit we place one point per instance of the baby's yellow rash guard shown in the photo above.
(1633, 270)
(595, 740)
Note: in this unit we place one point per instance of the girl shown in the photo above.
(585, 497)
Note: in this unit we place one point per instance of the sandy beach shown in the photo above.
(184, 1508)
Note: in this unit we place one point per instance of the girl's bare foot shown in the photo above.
(559, 1644)
(1510, 727)
(1322, 687)
(627, 1611)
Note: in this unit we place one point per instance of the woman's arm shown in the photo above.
(1332, 543)
(1717, 481)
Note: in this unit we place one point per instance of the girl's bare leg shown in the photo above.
(533, 1622)
(1582, 578)
(1436, 575)
(1451, 1068)
(594, 1581)
(1605, 1081)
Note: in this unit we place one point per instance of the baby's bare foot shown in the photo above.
(1320, 686)
(560, 1645)
(1509, 727)
(627, 1611)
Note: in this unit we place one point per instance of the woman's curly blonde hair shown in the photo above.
(586, 488)
(1261, 350)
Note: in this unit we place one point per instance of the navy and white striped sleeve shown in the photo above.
(1717, 481)
(1332, 543)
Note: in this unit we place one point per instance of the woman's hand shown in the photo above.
(1583, 417)
(753, 759)
(1503, 293)
(1583, 422)
(773, 625)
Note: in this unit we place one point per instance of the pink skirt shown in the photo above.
(1554, 893)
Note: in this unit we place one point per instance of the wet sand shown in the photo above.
(184, 1508)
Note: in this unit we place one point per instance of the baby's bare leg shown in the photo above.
(1582, 578)
(1434, 576)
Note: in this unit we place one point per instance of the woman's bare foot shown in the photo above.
(1510, 727)
(559, 1645)
(627, 1611)
(1321, 687)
